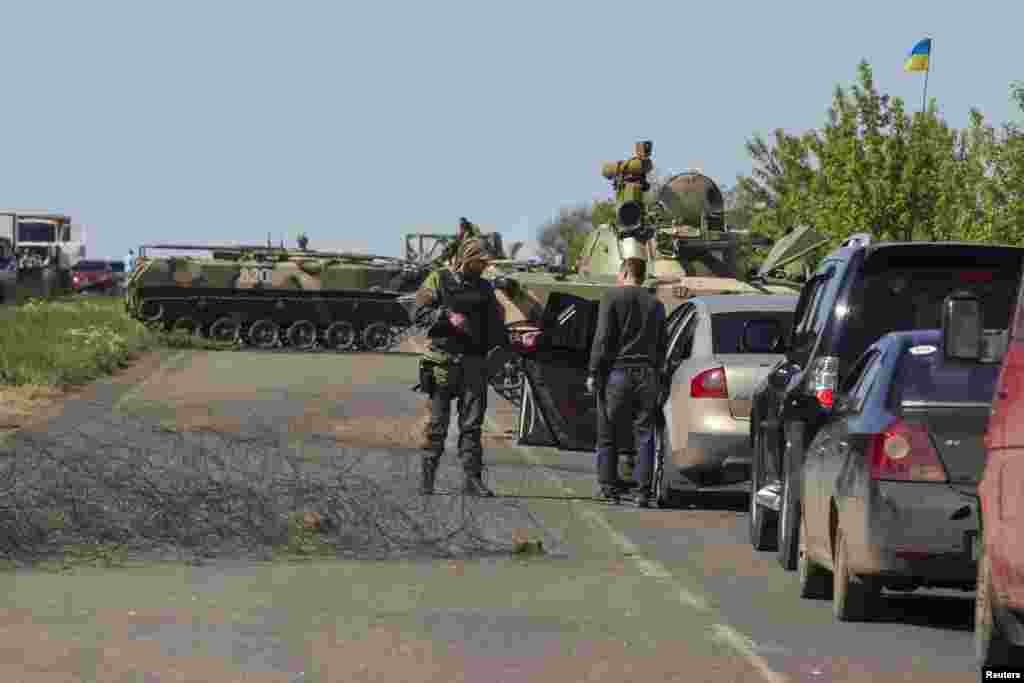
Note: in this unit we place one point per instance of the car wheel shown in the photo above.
(991, 646)
(789, 510)
(761, 536)
(853, 597)
(815, 582)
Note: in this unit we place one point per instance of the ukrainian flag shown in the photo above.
(918, 59)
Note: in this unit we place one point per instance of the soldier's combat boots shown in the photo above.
(430, 463)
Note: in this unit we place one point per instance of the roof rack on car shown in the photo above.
(860, 239)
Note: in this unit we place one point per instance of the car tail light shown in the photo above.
(709, 384)
(823, 377)
(904, 452)
(527, 341)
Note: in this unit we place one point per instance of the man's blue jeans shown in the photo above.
(626, 406)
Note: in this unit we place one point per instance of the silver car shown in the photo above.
(719, 349)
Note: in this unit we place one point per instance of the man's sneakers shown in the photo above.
(642, 498)
(615, 493)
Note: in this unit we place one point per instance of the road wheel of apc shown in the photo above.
(302, 335)
(264, 334)
(854, 598)
(225, 330)
(185, 325)
(151, 311)
(762, 535)
(340, 336)
(815, 581)
(991, 646)
(789, 510)
(377, 337)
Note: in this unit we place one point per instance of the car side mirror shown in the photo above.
(762, 336)
(962, 326)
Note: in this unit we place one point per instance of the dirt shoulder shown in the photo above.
(33, 405)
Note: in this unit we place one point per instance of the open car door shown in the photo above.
(556, 409)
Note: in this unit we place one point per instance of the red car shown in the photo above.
(999, 606)
(93, 276)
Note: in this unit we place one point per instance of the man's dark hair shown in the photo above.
(634, 269)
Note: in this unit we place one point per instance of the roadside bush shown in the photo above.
(68, 341)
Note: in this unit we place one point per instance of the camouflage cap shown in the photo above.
(473, 249)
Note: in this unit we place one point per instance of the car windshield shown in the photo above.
(727, 328)
(36, 232)
(90, 266)
(925, 375)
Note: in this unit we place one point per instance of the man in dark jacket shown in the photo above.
(627, 349)
(467, 323)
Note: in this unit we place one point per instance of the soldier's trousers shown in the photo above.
(626, 410)
(464, 380)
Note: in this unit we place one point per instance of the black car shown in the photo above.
(860, 292)
(889, 483)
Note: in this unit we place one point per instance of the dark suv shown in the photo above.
(860, 292)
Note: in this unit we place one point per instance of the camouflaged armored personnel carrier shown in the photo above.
(681, 233)
(268, 297)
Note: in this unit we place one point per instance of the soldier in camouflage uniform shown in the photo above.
(450, 257)
(467, 325)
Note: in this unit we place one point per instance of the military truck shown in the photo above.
(38, 249)
(268, 297)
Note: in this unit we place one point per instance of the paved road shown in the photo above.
(621, 595)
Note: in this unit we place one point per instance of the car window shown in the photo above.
(682, 346)
(90, 266)
(910, 298)
(856, 372)
(867, 381)
(924, 375)
(727, 328)
(676, 318)
(806, 311)
(815, 314)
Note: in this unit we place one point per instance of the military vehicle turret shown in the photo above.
(269, 297)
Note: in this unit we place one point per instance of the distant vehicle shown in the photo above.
(93, 276)
(860, 292)
(999, 606)
(889, 482)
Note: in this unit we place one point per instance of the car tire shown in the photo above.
(815, 580)
(854, 598)
(991, 646)
(761, 532)
(789, 509)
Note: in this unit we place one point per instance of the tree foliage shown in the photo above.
(874, 167)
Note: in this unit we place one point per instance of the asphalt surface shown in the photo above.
(619, 595)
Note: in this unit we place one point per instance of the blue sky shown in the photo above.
(361, 122)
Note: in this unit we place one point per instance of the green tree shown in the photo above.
(563, 236)
(875, 168)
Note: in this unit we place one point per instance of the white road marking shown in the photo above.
(654, 569)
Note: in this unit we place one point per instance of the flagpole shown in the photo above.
(924, 96)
